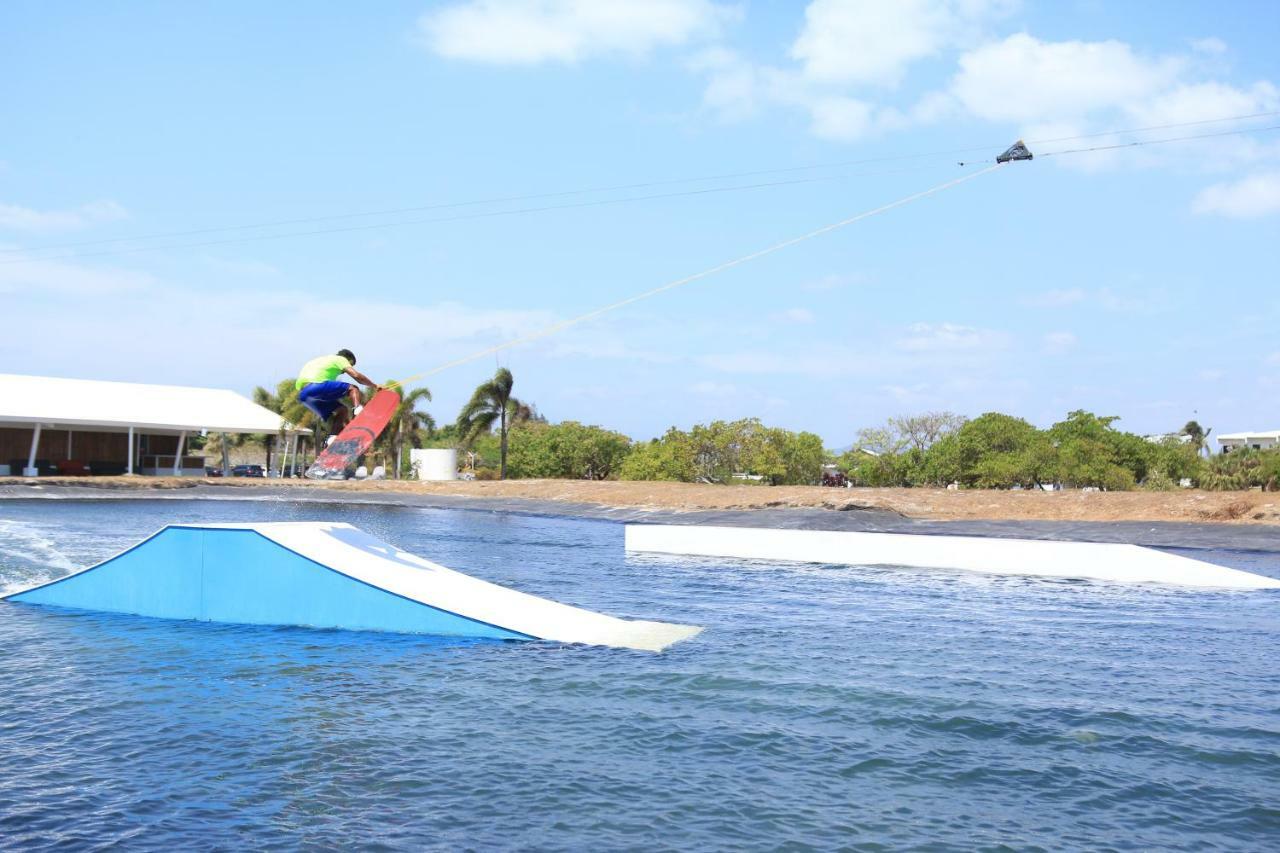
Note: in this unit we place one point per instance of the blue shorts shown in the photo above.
(324, 398)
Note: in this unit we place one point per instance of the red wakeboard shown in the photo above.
(354, 441)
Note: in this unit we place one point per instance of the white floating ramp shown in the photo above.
(1091, 560)
(326, 575)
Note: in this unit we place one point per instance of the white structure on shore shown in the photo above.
(50, 425)
(1250, 440)
(1162, 437)
(434, 463)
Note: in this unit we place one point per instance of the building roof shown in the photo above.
(1273, 434)
(119, 405)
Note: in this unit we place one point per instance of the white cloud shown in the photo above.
(1024, 79)
(737, 90)
(1054, 90)
(1059, 342)
(865, 41)
(1103, 297)
(835, 281)
(18, 218)
(795, 315)
(527, 32)
(37, 278)
(1248, 198)
(949, 337)
(1056, 298)
(115, 311)
(734, 87)
(250, 268)
(871, 42)
(1274, 358)
(1188, 102)
(815, 361)
(839, 117)
(708, 388)
(845, 45)
(1211, 46)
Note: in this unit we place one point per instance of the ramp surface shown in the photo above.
(1089, 560)
(326, 575)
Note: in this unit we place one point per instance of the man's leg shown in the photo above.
(341, 417)
(326, 400)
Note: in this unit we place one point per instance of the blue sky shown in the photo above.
(1140, 283)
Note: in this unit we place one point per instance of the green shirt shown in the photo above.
(323, 369)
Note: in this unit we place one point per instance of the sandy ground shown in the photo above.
(927, 504)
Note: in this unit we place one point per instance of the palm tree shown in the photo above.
(221, 443)
(1199, 436)
(284, 402)
(408, 424)
(492, 402)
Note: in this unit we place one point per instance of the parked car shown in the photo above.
(248, 471)
(210, 471)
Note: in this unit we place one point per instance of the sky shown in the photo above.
(460, 173)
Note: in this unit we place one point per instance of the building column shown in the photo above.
(177, 457)
(226, 456)
(30, 470)
(129, 470)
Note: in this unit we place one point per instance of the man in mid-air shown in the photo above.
(321, 391)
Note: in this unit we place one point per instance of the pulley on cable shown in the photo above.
(1016, 151)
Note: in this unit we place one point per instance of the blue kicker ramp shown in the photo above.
(325, 575)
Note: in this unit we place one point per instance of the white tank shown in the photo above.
(436, 463)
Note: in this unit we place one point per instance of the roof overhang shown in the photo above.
(118, 406)
(1269, 435)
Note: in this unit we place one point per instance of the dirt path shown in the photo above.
(935, 504)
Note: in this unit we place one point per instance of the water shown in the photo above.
(823, 707)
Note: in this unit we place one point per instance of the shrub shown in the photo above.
(567, 450)
(1243, 469)
(713, 453)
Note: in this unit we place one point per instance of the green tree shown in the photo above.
(1178, 460)
(1091, 452)
(894, 454)
(920, 432)
(724, 448)
(994, 451)
(666, 458)
(283, 400)
(874, 459)
(408, 425)
(802, 457)
(714, 452)
(1199, 436)
(490, 405)
(567, 450)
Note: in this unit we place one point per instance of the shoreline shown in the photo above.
(1195, 520)
(920, 504)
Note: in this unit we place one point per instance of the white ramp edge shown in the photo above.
(352, 552)
(1046, 558)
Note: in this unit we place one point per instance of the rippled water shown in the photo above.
(823, 706)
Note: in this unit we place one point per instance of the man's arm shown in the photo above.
(361, 378)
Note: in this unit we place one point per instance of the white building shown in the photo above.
(80, 426)
(1161, 438)
(1251, 440)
